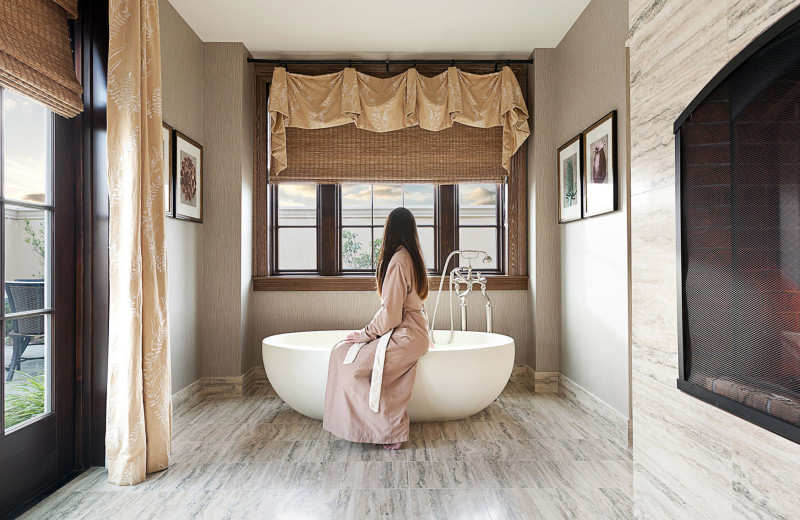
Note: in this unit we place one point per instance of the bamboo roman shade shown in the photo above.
(412, 155)
(36, 55)
(352, 127)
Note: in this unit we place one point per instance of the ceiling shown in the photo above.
(383, 28)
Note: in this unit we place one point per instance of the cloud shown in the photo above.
(25, 178)
(388, 192)
(481, 197)
(420, 196)
(306, 191)
(354, 194)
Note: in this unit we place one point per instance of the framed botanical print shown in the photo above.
(570, 181)
(166, 168)
(188, 161)
(600, 166)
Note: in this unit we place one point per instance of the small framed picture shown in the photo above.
(600, 167)
(570, 181)
(169, 179)
(188, 161)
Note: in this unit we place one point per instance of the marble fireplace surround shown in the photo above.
(739, 157)
(691, 460)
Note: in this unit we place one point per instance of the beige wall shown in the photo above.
(691, 459)
(228, 151)
(182, 105)
(288, 311)
(543, 233)
(591, 75)
(208, 95)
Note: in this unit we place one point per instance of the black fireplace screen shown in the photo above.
(738, 184)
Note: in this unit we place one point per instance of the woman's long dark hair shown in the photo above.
(401, 230)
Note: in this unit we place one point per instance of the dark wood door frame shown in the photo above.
(81, 190)
(91, 43)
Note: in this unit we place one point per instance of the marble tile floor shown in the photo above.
(526, 456)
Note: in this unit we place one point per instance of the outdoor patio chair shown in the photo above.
(24, 296)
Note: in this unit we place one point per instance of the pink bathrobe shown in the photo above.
(347, 410)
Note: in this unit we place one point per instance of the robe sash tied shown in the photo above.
(377, 368)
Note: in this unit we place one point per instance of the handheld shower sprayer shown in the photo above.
(469, 255)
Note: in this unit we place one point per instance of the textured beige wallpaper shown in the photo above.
(543, 242)
(182, 100)
(278, 312)
(591, 74)
(691, 460)
(224, 304)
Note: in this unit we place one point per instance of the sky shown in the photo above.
(24, 147)
(358, 195)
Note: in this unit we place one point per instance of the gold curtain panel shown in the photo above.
(139, 388)
(36, 55)
(385, 105)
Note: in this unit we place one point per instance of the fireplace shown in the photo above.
(738, 194)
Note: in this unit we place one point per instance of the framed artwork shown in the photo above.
(570, 180)
(169, 182)
(188, 161)
(600, 166)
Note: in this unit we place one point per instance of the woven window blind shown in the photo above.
(411, 155)
(36, 55)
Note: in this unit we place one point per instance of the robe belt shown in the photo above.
(377, 368)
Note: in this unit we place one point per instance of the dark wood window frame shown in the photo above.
(329, 228)
(512, 224)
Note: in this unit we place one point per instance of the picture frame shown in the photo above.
(188, 164)
(570, 180)
(167, 141)
(600, 166)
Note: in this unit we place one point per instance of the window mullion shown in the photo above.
(328, 230)
(446, 238)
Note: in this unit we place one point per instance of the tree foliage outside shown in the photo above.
(35, 239)
(353, 254)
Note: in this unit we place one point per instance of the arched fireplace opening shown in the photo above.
(738, 194)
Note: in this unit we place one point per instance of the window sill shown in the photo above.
(366, 283)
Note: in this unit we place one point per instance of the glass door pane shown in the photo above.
(25, 199)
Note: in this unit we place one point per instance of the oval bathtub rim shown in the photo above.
(501, 340)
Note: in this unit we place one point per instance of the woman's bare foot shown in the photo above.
(395, 446)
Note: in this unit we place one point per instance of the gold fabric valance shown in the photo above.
(387, 104)
(36, 55)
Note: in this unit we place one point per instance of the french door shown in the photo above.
(38, 188)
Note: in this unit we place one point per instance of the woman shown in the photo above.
(371, 372)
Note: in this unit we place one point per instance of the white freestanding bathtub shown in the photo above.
(453, 381)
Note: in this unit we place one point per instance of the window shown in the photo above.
(364, 211)
(27, 206)
(333, 246)
(295, 228)
(309, 221)
(480, 220)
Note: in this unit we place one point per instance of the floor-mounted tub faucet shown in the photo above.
(464, 276)
(458, 278)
